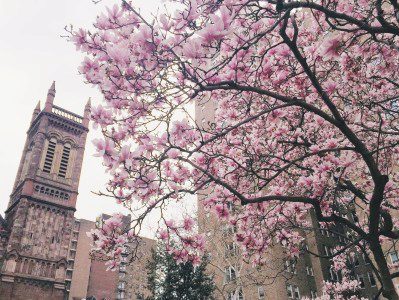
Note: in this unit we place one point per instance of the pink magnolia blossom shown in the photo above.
(295, 111)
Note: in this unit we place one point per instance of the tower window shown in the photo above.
(48, 162)
(64, 161)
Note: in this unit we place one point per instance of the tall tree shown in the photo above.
(296, 106)
(169, 280)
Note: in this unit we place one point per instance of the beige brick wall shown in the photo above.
(82, 263)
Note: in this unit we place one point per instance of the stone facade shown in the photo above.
(44, 250)
(40, 215)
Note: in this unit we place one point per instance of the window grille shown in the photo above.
(48, 162)
(64, 161)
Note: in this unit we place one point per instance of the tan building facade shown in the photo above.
(237, 279)
(79, 260)
(89, 276)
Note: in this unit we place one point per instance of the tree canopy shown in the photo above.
(296, 110)
(169, 280)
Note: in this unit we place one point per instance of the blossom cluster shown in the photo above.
(295, 109)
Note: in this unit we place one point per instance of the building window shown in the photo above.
(309, 271)
(371, 279)
(290, 266)
(122, 268)
(328, 251)
(261, 293)
(360, 278)
(325, 232)
(365, 258)
(290, 291)
(230, 206)
(64, 161)
(125, 251)
(333, 275)
(76, 226)
(356, 260)
(313, 295)
(122, 285)
(69, 274)
(48, 161)
(341, 238)
(121, 295)
(297, 295)
(71, 264)
(230, 249)
(293, 292)
(236, 295)
(229, 229)
(394, 257)
(74, 244)
(230, 274)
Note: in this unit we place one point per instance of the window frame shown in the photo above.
(394, 253)
(64, 160)
(49, 155)
(261, 289)
(371, 275)
(360, 278)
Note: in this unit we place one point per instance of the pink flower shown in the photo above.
(173, 153)
(218, 28)
(330, 47)
(221, 211)
(188, 224)
(163, 235)
(192, 48)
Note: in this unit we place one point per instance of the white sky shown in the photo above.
(32, 55)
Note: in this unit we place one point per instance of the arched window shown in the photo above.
(48, 161)
(64, 160)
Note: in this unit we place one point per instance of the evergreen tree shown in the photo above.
(169, 280)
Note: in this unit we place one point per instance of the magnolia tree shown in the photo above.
(301, 115)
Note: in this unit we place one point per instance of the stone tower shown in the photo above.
(40, 213)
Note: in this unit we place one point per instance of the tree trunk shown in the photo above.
(388, 288)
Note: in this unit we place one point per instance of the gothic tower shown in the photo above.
(40, 213)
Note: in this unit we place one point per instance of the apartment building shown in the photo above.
(88, 277)
(237, 279)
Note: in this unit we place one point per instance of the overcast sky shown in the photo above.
(32, 55)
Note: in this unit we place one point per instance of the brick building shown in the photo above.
(87, 277)
(129, 281)
(40, 214)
